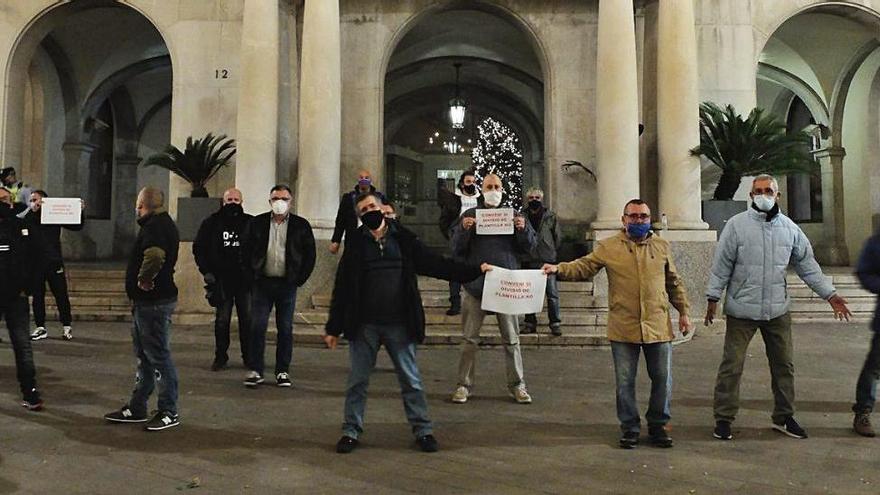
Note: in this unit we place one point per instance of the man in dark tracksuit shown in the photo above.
(218, 254)
(50, 266)
(346, 217)
(868, 271)
(17, 276)
(376, 301)
(149, 283)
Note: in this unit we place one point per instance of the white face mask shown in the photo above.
(280, 207)
(492, 198)
(764, 203)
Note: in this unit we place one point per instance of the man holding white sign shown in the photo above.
(642, 282)
(486, 244)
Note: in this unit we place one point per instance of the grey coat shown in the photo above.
(751, 260)
(549, 238)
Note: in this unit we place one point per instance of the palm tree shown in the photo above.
(200, 160)
(759, 144)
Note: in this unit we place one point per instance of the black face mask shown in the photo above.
(373, 219)
(534, 204)
(5, 210)
(232, 209)
(470, 188)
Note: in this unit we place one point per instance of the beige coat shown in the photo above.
(642, 281)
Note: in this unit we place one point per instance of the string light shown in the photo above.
(498, 151)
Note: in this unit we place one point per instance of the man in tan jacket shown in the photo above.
(642, 282)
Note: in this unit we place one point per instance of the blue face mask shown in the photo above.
(638, 230)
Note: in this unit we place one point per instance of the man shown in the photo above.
(376, 301)
(642, 282)
(280, 253)
(868, 271)
(149, 283)
(18, 276)
(549, 237)
(218, 254)
(497, 250)
(452, 206)
(346, 217)
(20, 191)
(751, 257)
(50, 266)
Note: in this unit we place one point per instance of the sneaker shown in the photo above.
(346, 445)
(556, 329)
(32, 401)
(791, 428)
(283, 380)
(520, 394)
(722, 430)
(253, 379)
(218, 364)
(161, 421)
(125, 415)
(528, 328)
(427, 443)
(461, 395)
(66, 335)
(453, 311)
(629, 440)
(659, 437)
(39, 333)
(862, 424)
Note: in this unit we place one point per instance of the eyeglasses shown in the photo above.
(638, 216)
(277, 198)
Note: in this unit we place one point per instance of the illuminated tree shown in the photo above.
(498, 151)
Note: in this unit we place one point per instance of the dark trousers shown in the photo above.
(281, 295)
(455, 295)
(866, 388)
(17, 315)
(239, 296)
(57, 280)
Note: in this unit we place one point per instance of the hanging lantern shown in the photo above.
(457, 105)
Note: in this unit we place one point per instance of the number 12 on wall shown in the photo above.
(221, 74)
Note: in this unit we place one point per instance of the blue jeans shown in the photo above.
(658, 358)
(151, 335)
(281, 295)
(866, 389)
(402, 351)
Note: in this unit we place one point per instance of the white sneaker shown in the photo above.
(67, 335)
(520, 394)
(39, 334)
(461, 395)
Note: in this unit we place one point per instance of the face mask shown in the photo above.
(280, 207)
(365, 183)
(5, 210)
(492, 198)
(638, 230)
(535, 204)
(470, 189)
(764, 203)
(232, 209)
(373, 219)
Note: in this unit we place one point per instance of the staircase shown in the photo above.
(807, 307)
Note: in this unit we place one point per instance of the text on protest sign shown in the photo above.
(514, 292)
(61, 211)
(494, 221)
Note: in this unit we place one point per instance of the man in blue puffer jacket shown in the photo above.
(755, 248)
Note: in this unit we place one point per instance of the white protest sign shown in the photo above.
(494, 221)
(514, 292)
(61, 211)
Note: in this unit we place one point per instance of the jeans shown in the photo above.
(402, 351)
(239, 296)
(280, 294)
(658, 360)
(57, 280)
(777, 340)
(17, 315)
(552, 294)
(151, 335)
(472, 320)
(866, 388)
(455, 295)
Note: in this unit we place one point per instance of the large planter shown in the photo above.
(717, 212)
(191, 212)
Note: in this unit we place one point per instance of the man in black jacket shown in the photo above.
(50, 266)
(149, 283)
(376, 301)
(452, 205)
(346, 217)
(218, 254)
(868, 271)
(16, 282)
(280, 252)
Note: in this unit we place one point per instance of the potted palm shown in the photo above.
(197, 163)
(757, 144)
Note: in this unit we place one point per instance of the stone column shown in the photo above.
(124, 193)
(617, 112)
(257, 127)
(832, 249)
(320, 116)
(678, 116)
(77, 158)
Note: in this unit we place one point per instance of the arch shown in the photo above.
(841, 89)
(798, 87)
(103, 91)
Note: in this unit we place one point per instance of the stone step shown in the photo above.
(84, 274)
(567, 300)
(842, 279)
(428, 284)
(848, 292)
(574, 318)
(820, 306)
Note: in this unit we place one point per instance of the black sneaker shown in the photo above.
(161, 421)
(253, 379)
(218, 364)
(722, 430)
(346, 445)
(659, 437)
(556, 329)
(427, 443)
(283, 380)
(125, 415)
(791, 428)
(453, 311)
(629, 440)
(32, 401)
(528, 328)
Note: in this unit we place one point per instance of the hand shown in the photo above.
(710, 312)
(330, 341)
(838, 305)
(486, 267)
(82, 204)
(146, 285)
(468, 222)
(334, 247)
(519, 222)
(684, 324)
(549, 269)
